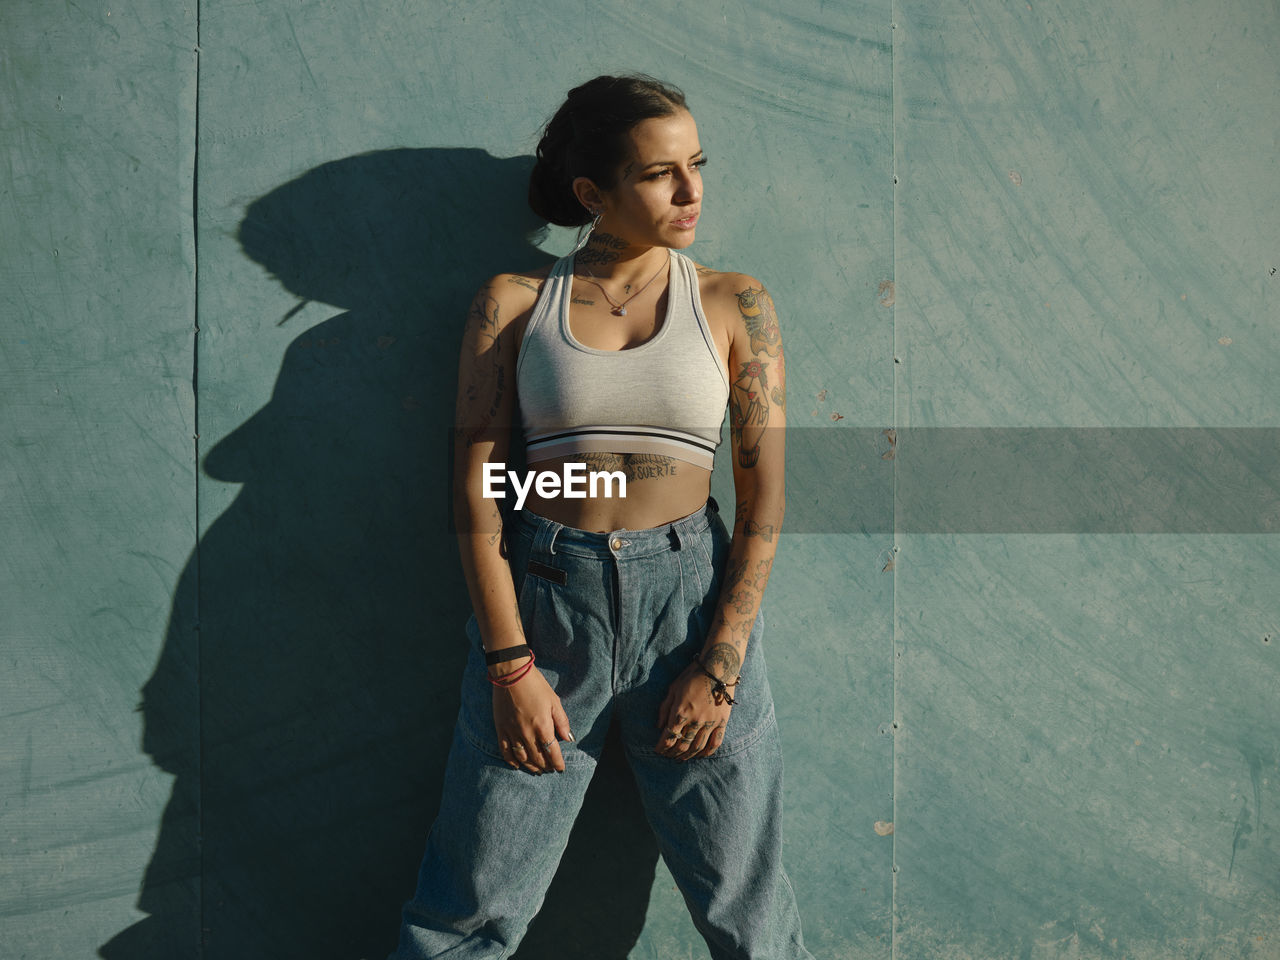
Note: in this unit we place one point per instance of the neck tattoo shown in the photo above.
(601, 248)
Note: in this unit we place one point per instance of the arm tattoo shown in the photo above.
(753, 529)
(757, 312)
(483, 316)
(737, 573)
(524, 282)
(742, 601)
(739, 630)
(488, 376)
(723, 661)
(752, 393)
(496, 535)
(749, 410)
(741, 594)
(779, 394)
(762, 574)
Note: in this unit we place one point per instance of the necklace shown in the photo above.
(619, 309)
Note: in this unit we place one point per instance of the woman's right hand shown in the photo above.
(529, 721)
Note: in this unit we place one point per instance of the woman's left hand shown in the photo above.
(692, 718)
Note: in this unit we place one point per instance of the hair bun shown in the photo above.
(585, 139)
(551, 195)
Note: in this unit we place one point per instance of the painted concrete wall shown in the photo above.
(1027, 696)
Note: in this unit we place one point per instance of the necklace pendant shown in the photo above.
(619, 311)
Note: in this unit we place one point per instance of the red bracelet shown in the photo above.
(515, 675)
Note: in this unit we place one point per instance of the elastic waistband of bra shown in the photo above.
(550, 536)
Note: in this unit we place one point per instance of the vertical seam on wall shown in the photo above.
(195, 400)
(893, 496)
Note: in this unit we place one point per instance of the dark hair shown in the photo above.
(585, 139)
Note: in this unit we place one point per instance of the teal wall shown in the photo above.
(236, 244)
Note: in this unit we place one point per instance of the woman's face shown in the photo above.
(658, 195)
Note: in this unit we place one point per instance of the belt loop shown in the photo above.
(684, 531)
(544, 537)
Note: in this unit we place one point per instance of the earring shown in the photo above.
(583, 237)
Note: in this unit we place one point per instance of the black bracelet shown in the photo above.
(507, 653)
(720, 686)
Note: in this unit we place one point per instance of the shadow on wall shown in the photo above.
(305, 697)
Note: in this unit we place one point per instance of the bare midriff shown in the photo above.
(659, 490)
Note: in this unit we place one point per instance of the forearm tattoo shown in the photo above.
(496, 518)
(739, 630)
(736, 574)
(724, 661)
(743, 600)
(750, 528)
(741, 594)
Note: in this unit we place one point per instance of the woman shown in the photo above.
(633, 607)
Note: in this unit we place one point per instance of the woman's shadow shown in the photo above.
(305, 696)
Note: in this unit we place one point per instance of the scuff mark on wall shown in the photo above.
(892, 436)
(1247, 821)
(1239, 836)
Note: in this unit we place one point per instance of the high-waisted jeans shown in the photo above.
(613, 619)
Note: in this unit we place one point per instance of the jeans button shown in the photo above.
(616, 543)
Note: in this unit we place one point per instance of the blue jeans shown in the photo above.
(613, 622)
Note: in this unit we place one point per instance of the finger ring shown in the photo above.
(517, 746)
(690, 737)
(546, 746)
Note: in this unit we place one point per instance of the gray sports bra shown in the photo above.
(666, 396)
